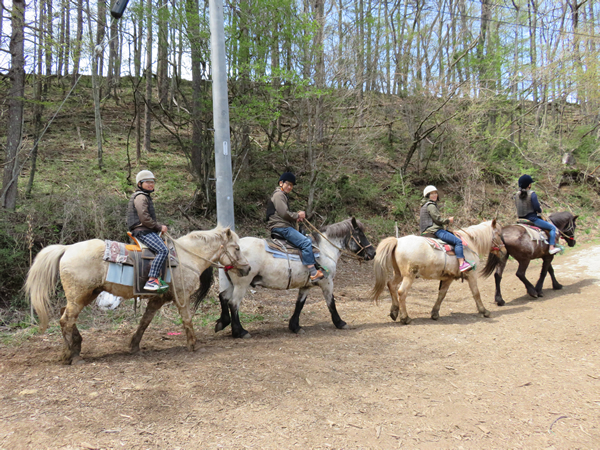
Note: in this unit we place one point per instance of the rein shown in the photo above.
(343, 251)
(211, 261)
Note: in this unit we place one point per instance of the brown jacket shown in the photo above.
(283, 217)
(143, 208)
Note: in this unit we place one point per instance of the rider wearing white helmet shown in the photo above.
(432, 223)
(141, 221)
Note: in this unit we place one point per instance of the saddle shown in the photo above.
(438, 244)
(278, 243)
(129, 264)
(535, 233)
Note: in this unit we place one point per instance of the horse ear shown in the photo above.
(228, 233)
(575, 217)
(354, 224)
(493, 223)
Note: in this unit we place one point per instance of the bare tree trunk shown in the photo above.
(138, 33)
(95, 87)
(61, 38)
(162, 69)
(147, 111)
(49, 42)
(113, 63)
(77, 49)
(37, 105)
(67, 12)
(15, 106)
(1, 20)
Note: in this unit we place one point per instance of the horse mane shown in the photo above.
(561, 219)
(478, 237)
(208, 236)
(340, 229)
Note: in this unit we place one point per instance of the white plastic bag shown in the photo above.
(107, 301)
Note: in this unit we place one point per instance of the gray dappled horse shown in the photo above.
(274, 273)
(520, 246)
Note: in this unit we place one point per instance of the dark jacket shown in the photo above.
(430, 218)
(282, 217)
(141, 216)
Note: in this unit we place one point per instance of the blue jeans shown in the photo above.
(299, 240)
(546, 226)
(449, 238)
(155, 243)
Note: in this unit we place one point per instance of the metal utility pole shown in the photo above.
(223, 175)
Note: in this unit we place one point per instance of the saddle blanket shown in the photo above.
(438, 244)
(115, 252)
(535, 233)
(282, 255)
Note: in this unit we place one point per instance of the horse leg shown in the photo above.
(330, 300)
(523, 264)
(540, 283)
(186, 319)
(154, 304)
(224, 321)
(444, 285)
(407, 282)
(393, 288)
(472, 279)
(294, 324)
(555, 284)
(498, 279)
(71, 336)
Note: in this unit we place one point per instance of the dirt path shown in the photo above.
(528, 377)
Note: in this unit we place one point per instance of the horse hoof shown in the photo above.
(134, 350)
(342, 326)
(533, 294)
(435, 316)
(406, 320)
(218, 327)
(558, 287)
(300, 331)
(500, 302)
(77, 361)
(540, 294)
(486, 313)
(394, 315)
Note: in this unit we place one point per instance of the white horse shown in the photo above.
(83, 275)
(401, 260)
(275, 273)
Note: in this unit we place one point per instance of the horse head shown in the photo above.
(358, 242)
(231, 256)
(566, 224)
(498, 246)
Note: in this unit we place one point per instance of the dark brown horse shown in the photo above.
(520, 246)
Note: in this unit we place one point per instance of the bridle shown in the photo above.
(570, 228)
(497, 246)
(362, 248)
(233, 264)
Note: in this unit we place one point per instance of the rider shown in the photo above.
(141, 221)
(282, 221)
(431, 222)
(528, 207)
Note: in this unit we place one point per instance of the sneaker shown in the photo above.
(152, 285)
(554, 251)
(317, 276)
(465, 266)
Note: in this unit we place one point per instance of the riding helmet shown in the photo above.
(428, 190)
(288, 176)
(144, 175)
(525, 181)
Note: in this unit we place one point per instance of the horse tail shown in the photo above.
(40, 285)
(493, 261)
(206, 281)
(384, 266)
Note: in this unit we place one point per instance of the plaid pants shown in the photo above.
(155, 243)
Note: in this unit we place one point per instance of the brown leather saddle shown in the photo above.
(140, 257)
(280, 244)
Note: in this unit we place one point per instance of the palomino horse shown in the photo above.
(520, 246)
(274, 273)
(401, 260)
(83, 276)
